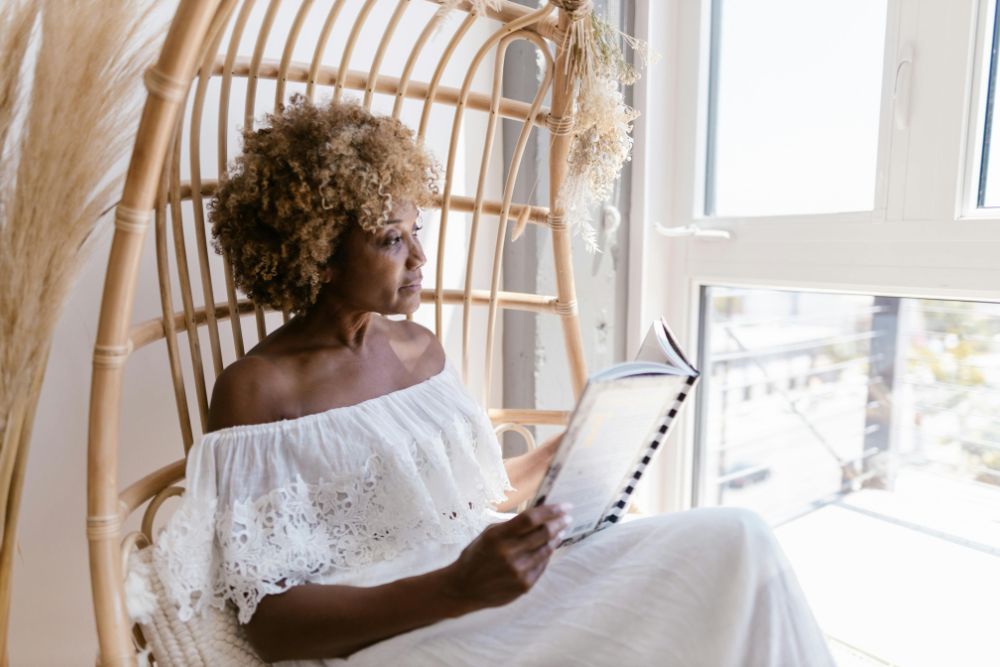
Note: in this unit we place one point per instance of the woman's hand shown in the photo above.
(507, 558)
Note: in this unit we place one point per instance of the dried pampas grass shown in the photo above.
(70, 78)
(602, 140)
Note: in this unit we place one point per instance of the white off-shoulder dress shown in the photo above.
(398, 485)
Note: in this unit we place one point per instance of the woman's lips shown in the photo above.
(411, 287)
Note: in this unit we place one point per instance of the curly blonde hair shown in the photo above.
(301, 180)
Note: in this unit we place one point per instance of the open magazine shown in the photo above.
(621, 419)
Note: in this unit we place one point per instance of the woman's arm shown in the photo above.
(526, 472)
(326, 621)
(314, 621)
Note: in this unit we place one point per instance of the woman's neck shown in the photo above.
(330, 324)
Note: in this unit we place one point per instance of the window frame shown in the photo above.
(978, 98)
(921, 239)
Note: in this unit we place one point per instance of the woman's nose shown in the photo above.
(416, 258)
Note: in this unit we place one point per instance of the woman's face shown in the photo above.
(380, 272)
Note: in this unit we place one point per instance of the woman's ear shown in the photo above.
(330, 269)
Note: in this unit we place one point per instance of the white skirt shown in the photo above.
(707, 587)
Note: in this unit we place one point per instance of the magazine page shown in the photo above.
(612, 424)
(660, 346)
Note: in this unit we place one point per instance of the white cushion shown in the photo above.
(210, 639)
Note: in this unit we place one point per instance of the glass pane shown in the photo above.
(786, 397)
(989, 176)
(794, 107)
(866, 429)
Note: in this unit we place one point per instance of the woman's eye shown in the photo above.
(393, 240)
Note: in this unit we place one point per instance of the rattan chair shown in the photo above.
(215, 73)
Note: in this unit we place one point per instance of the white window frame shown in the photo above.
(923, 238)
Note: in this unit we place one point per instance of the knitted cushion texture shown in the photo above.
(212, 638)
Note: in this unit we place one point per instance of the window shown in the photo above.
(809, 395)
(988, 195)
(794, 102)
(846, 325)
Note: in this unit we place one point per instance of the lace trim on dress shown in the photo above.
(296, 533)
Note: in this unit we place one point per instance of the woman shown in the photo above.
(345, 500)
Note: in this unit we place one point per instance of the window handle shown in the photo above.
(692, 230)
(611, 220)
(901, 88)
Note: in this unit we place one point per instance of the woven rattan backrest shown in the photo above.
(224, 64)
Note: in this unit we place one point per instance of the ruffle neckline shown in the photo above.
(396, 394)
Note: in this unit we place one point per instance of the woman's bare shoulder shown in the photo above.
(248, 391)
(417, 344)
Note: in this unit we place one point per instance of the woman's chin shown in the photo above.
(403, 307)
